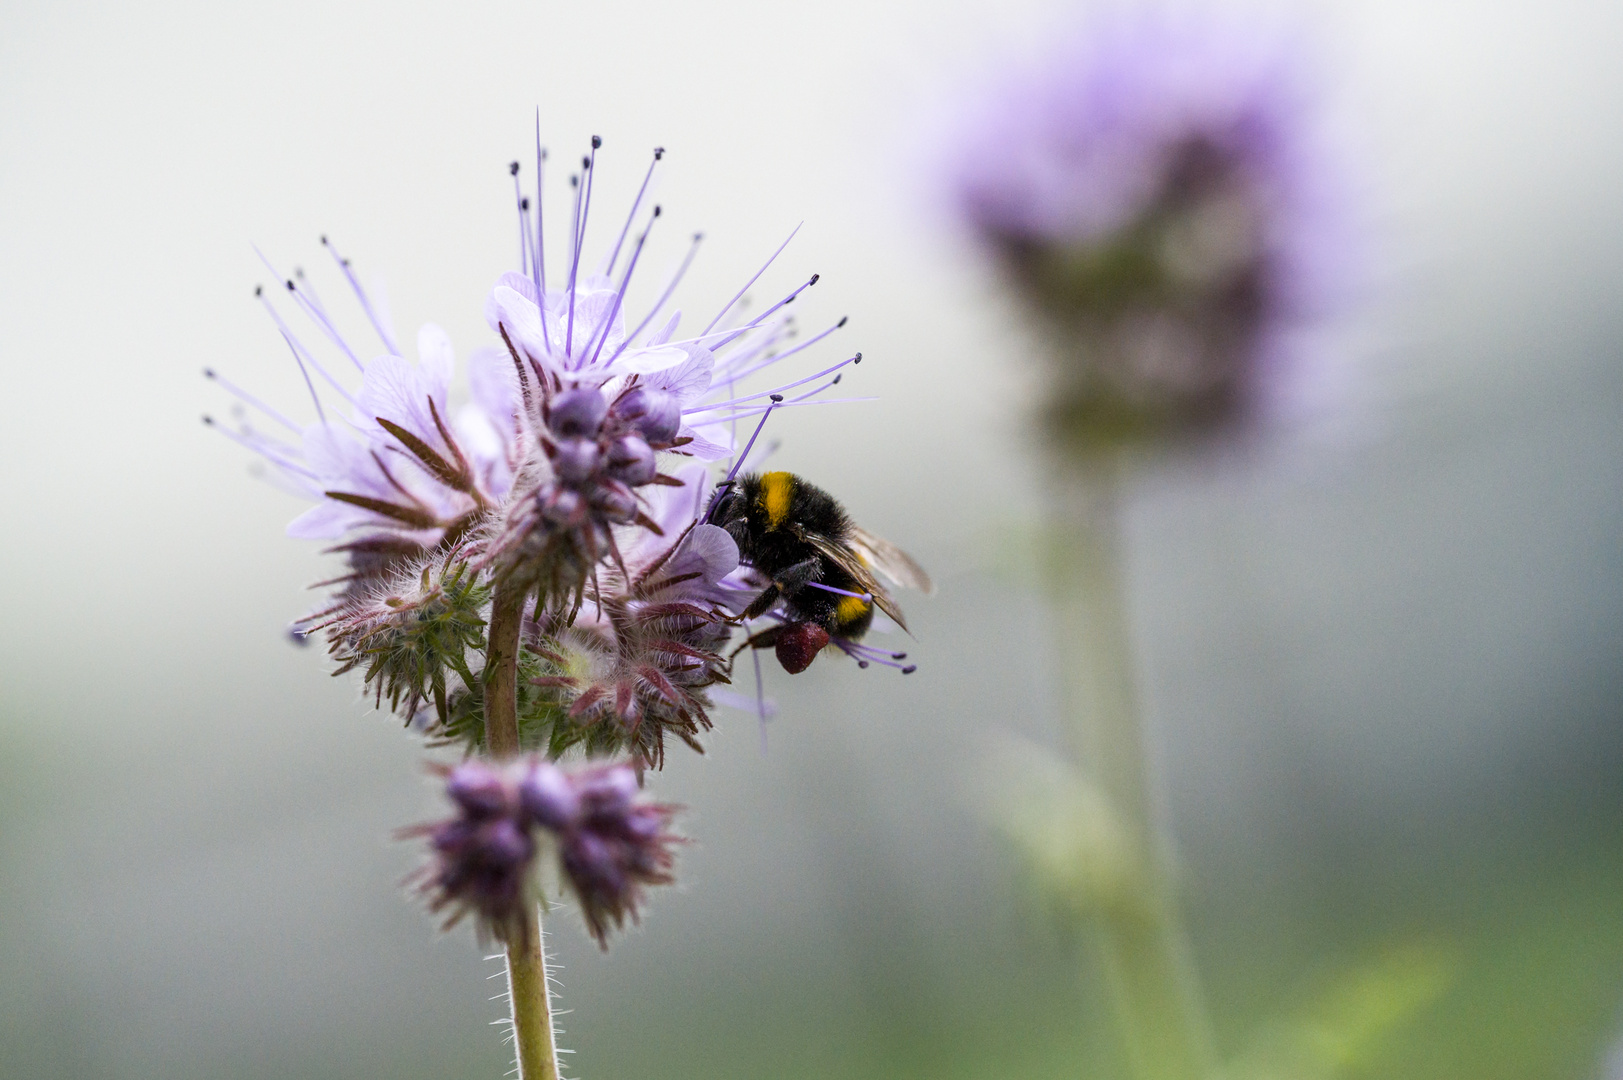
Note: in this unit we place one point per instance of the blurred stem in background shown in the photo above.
(1142, 943)
(527, 985)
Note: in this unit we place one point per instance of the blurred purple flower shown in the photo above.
(1158, 192)
(611, 843)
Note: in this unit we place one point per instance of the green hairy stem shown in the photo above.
(1141, 942)
(526, 962)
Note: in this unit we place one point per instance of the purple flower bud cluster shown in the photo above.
(1156, 192)
(597, 452)
(611, 843)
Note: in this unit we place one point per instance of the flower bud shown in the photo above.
(577, 413)
(608, 791)
(575, 459)
(549, 797)
(657, 414)
(562, 506)
(616, 502)
(502, 845)
(477, 789)
(631, 460)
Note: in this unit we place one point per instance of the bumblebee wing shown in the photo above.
(890, 560)
(853, 563)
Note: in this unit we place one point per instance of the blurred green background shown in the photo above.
(1383, 654)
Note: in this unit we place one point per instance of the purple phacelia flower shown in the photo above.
(602, 398)
(395, 473)
(635, 664)
(611, 843)
(1159, 193)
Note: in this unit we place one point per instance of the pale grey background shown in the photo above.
(1399, 627)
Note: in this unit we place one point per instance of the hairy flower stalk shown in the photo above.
(1150, 192)
(531, 570)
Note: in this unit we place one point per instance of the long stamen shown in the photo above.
(302, 354)
(868, 596)
(763, 316)
(366, 304)
(850, 649)
(777, 392)
(614, 256)
(760, 695)
(809, 394)
(523, 227)
(258, 448)
(316, 315)
(574, 260)
(769, 361)
(670, 287)
(619, 297)
(723, 312)
(237, 391)
(538, 268)
(715, 496)
(743, 414)
(580, 239)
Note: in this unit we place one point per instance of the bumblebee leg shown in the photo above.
(791, 581)
(761, 604)
(766, 639)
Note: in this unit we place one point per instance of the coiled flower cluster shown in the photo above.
(609, 842)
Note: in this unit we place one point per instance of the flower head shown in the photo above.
(601, 400)
(573, 481)
(1155, 192)
(611, 843)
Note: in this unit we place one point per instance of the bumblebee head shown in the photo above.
(731, 512)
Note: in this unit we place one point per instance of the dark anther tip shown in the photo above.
(659, 152)
(910, 669)
(207, 419)
(585, 163)
(574, 181)
(208, 373)
(842, 321)
(298, 272)
(857, 359)
(814, 278)
(776, 397)
(291, 287)
(837, 379)
(345, 263)
(657, 211)
(698, 236)
(524, 203)
(323, 239)
(862, 664)
(259, 290)
(512, 168)
(543, 153)
(898, 656)
(597, 141)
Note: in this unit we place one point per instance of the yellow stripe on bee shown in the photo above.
(850, 609)
(777, 488)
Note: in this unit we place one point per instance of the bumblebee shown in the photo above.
(822, 568)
